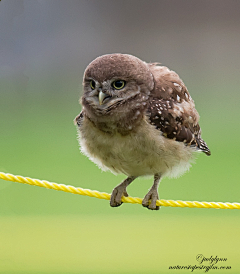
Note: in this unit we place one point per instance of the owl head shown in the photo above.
(116, 84)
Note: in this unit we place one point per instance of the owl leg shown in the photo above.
(119, 191)
(150, 199)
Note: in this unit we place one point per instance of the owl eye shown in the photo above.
(119, 84)
(92, 84)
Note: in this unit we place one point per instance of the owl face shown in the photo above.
(112, 81)
(103, 95)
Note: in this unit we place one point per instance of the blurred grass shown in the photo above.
(116, 244)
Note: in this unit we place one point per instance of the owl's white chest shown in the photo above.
(140, 153)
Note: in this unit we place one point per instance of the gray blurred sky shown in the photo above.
(43, 41)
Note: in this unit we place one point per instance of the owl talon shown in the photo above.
(120, 191)
(157, 208)
(150, 200)
(117, 194)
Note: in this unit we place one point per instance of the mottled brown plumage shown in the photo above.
(137, 119)
(172, 109)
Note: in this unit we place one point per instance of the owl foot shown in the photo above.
(120, 191)
(117, 194)
(151, 198)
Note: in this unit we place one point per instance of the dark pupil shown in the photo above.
(93, 84)
(118, 84)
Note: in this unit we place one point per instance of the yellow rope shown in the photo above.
(106, 196)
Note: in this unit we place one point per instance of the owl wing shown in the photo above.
(172, 111)
(79, 119)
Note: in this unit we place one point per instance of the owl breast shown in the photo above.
(142, 152)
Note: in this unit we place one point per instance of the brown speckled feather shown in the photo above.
(172, 110)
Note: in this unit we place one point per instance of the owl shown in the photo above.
(137, 119)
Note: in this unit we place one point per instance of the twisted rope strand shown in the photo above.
(106, 196)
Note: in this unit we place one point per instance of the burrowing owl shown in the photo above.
(138, 119)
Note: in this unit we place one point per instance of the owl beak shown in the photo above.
(101, 97)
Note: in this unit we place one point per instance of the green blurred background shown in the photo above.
(44, 49)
